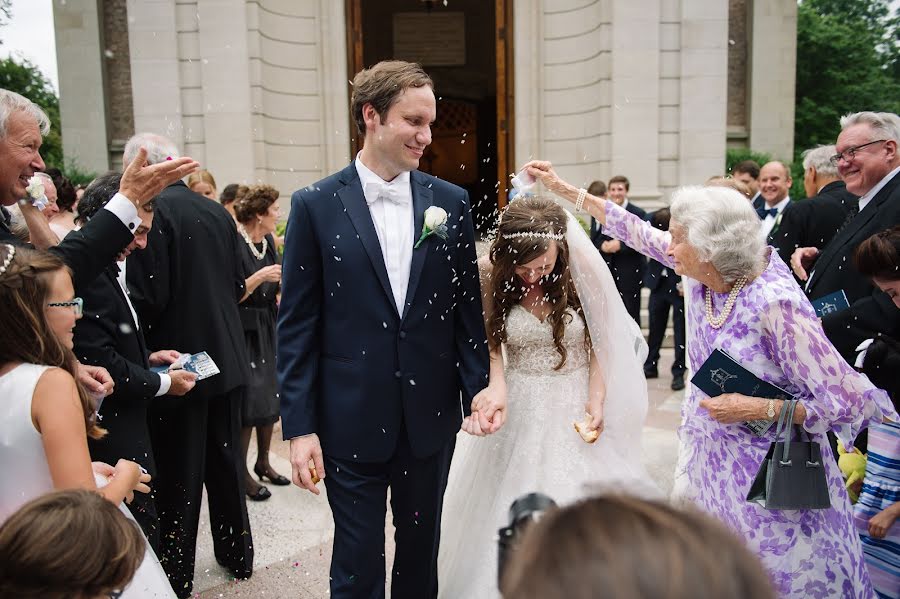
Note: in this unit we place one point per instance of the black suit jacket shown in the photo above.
(655, 281)
(108, 336)
(871, 311)
(627, 265)
(812, 222)
(352, 369)
(86, 251)
(186, 284)
(758, 201)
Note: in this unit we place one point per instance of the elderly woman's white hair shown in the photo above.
(159, 148)
(722, 226)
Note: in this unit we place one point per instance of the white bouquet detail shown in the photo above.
(35, 191)
(435, 224)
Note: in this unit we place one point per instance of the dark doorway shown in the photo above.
(464, 46)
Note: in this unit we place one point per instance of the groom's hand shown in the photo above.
(489, 408)
(303, 450)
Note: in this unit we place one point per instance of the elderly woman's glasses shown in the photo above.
(850, 153)
(77, 304)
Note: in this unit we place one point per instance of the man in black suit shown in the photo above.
(813, 222)
(380, 337)
(110, 335)
(87, 251)
(747, 172)
(185, 287)
(774, 187)
(626, 265)
(665, 292)
(868, 162)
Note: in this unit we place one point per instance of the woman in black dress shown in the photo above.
(257, 213)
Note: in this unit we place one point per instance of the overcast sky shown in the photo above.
(30, 34)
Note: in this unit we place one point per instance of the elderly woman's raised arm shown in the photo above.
(835, 396)
(617, 222)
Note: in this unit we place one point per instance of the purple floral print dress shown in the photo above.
(773, 331)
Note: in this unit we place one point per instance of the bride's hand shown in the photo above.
(471, 425)
(594, 407)
(489, 407)
(542, 170)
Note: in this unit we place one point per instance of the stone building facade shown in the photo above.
(257, 90)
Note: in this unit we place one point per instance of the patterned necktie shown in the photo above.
(854, 210)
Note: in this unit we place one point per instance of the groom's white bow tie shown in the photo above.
(392, 192)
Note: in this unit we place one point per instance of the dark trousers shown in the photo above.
(630, 292)
(658, 309)
(357, 493)
(128, 438)
(197, 441)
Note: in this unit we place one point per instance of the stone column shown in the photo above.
(82, 99)
(635, 95)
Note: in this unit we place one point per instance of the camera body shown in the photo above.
(525, 509)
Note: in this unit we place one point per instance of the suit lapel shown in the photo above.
(113, 273)
(354, 202)
(422, 199)
(847, 234)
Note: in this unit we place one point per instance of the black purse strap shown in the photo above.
(786, 425)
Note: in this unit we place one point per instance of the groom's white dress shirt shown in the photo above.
(390, 204)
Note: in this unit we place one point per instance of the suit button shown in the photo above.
(398, 374)
(403, 334)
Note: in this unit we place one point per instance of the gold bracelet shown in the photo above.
(580, 201)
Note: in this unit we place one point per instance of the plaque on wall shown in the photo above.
(436, 39)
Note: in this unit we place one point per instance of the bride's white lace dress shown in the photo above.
(536, 450)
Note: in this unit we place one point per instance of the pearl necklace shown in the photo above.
(258, 254)
(717, 321)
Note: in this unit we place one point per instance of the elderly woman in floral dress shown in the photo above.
(741, 298)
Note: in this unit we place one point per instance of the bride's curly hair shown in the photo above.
(533, 216)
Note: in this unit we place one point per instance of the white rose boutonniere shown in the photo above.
(36, 194)
(435, 224)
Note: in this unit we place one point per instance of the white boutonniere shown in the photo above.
(435, 224)
(36, 194)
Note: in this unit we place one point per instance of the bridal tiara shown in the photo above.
(531, 235)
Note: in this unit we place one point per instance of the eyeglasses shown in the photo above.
(76, 303)
(850, 153)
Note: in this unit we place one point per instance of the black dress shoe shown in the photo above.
(262, 493)
(278, 479)
(677, 382)
(241, 572)
(651, 373)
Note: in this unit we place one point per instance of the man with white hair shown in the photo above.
(185, 286)
(868, 160)
(22, 127)
(813, 222)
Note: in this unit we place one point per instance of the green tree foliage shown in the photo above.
(23, 77)
(848, 60)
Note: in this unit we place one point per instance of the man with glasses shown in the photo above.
(112, 336)
(867, 159)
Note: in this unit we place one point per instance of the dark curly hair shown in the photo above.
(532, 215)
(254, 202)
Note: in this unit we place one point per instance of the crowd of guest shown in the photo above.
(107, 290)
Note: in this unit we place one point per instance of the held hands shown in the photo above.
(304, 450)
(801, 260)
(142, 182)
(488, 412)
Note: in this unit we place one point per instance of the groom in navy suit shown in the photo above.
(381, 341)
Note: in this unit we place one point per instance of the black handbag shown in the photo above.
(792, 475)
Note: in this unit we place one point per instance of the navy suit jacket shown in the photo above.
(352, 369)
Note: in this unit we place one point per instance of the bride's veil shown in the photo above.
(617, 341)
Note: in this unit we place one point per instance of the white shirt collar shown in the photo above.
(780, 206)
(625, 203)
(867, 197)
(367, 176)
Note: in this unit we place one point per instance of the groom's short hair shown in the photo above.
(381, 85)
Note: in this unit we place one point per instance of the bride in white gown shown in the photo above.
(544, 287)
